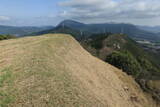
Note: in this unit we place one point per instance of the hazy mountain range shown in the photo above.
(20, 31)
(155, 29)
(129, 29)
(133, 31)
(88, 29)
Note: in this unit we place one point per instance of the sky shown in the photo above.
(51, 12)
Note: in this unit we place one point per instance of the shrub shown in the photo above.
(4, 37)
(124, 61)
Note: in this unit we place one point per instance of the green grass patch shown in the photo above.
(5, 81)
(5, 77)
(5, 99)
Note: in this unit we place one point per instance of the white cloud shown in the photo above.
(4, 18)
(110, 9)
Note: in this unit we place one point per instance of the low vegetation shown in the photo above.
(4, 37)
(126, 62)
(6, 79)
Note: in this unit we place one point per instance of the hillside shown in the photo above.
(105, 44)
(124, 53)
(54, 70)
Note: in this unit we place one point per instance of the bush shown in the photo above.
(4, 37)
(125, 61)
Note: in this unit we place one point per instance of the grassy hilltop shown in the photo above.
(54, 70)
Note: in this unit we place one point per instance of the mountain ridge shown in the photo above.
(134, 31)
(131, 30)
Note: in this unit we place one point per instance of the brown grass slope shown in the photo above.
(55, 71)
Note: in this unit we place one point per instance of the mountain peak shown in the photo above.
(71, 23)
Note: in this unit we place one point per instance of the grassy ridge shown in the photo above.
(54, 70)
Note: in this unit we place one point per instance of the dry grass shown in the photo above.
(55, 71)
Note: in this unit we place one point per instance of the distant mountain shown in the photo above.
(73, 24)
(129, 29)
(77, 34)
(21, 31)
(154, 29)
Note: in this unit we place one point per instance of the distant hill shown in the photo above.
(154, 29)
(21, 31)
(55, 71)
(129, 29)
